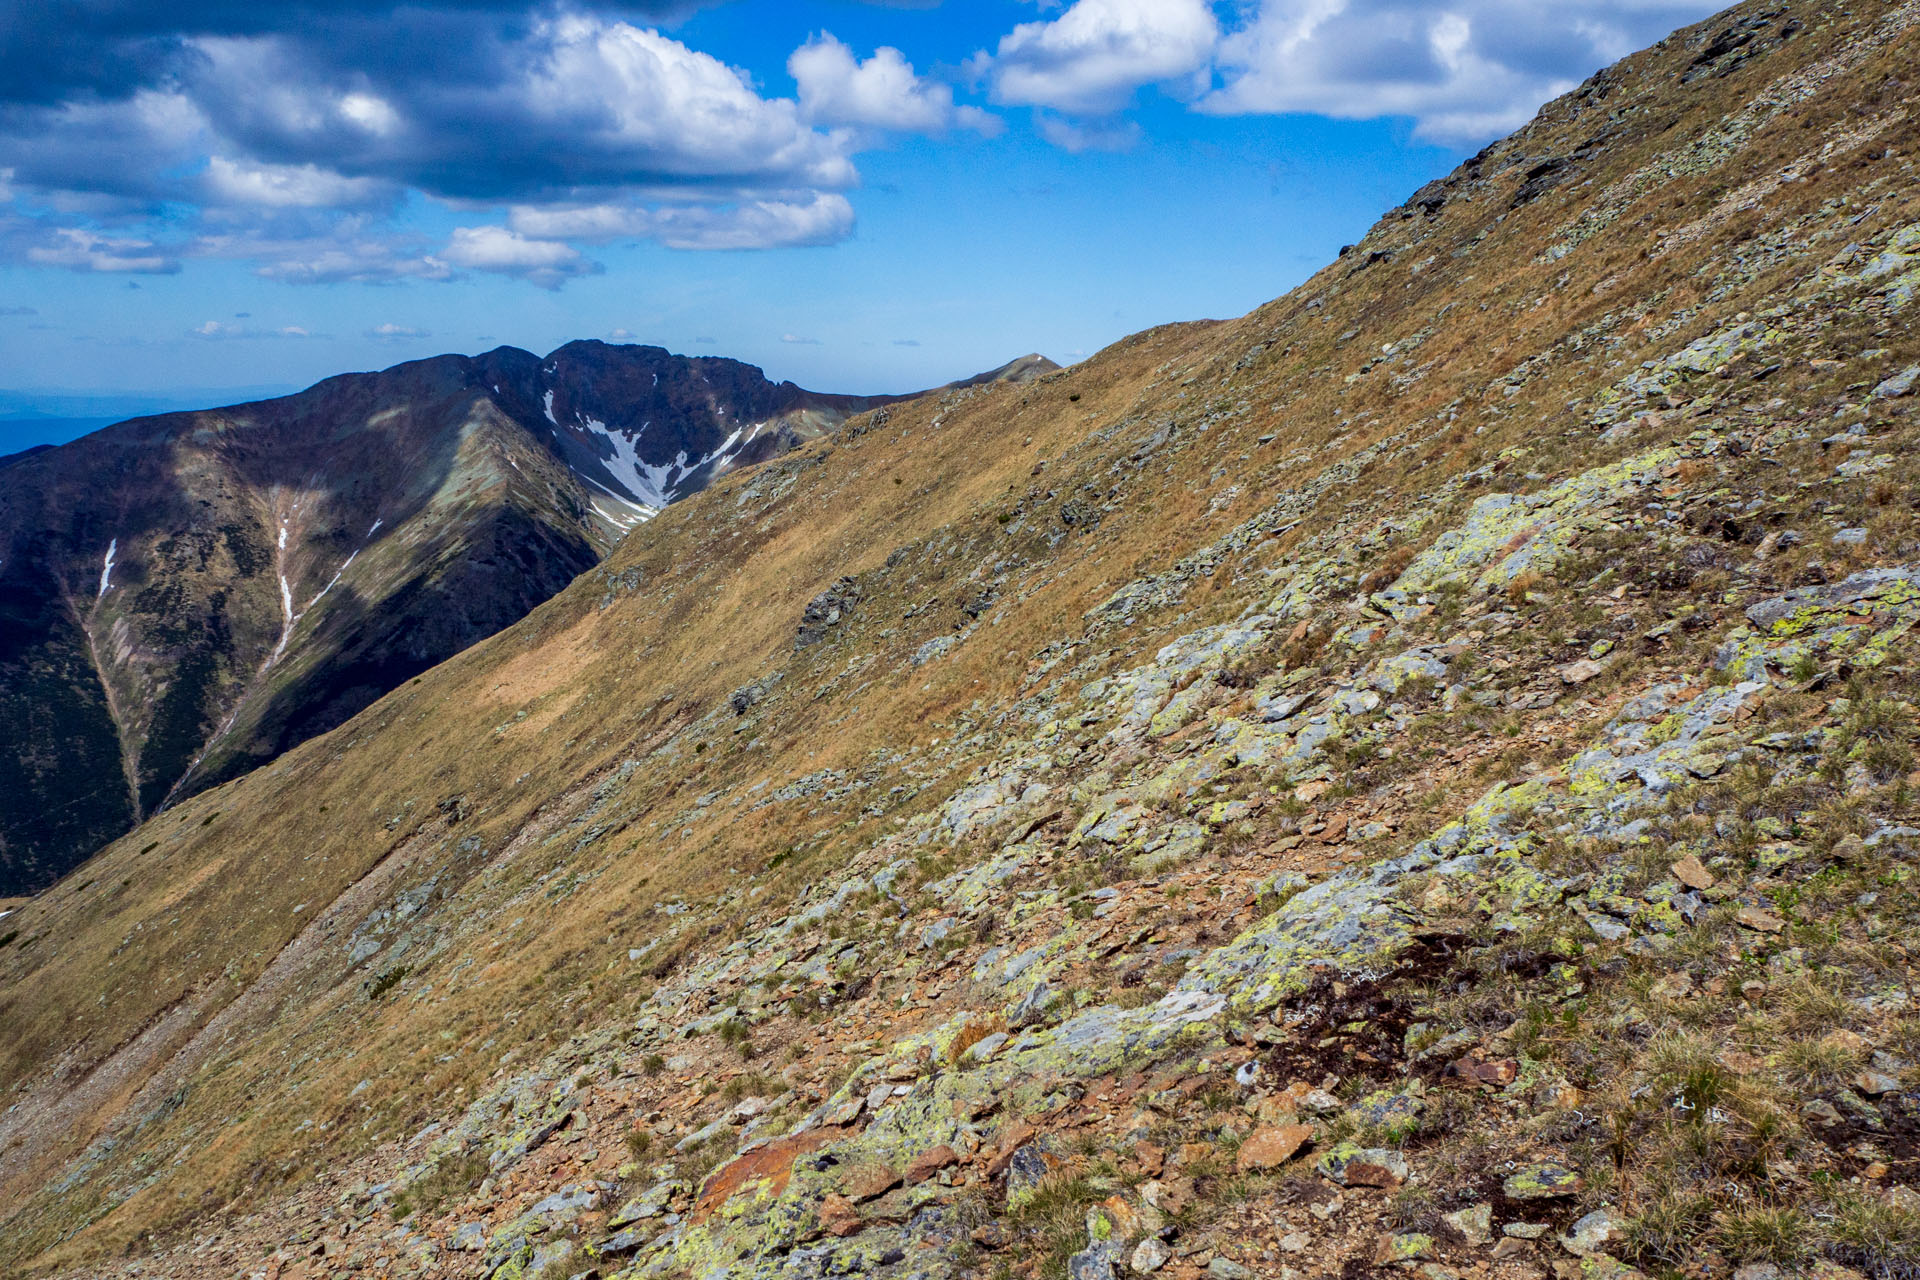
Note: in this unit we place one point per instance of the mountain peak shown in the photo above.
(278, 565)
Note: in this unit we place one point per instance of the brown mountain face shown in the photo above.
(182, 598)
(1415, 780)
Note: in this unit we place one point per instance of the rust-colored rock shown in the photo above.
(1276, 1109)
(1174, 1196)
(1372, 1173)
(1150, 1158)
(1017, 1135)
(838, 1217)
(1501, 1073)
(928, 1163)
(1272, 1147)
(772, 1164)
(989, 1235)
(870, 1182)
(1126, 1220)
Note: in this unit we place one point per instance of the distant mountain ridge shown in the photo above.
(185, 596)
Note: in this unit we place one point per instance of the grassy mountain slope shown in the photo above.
(1294, 794)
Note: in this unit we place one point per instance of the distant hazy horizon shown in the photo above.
(31, 416)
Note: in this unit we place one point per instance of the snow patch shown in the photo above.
(652, 485)
(549, 403)
(627, 523)
(106, 569)
(286, 629)
(330, 581)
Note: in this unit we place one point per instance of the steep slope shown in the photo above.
(1418, 774)
(184, 597)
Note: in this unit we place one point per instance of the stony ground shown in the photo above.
(1418, 781)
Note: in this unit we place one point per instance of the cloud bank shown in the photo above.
(1463, 70)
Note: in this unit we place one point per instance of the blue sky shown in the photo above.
(856, 196)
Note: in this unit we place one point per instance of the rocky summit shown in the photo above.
(1416, 781)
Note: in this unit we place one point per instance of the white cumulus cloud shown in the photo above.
(1092, 58)
(818, 219)
(654, 106)
(883, 92)
(1463, 70)
(547, 263)
(294, 152)
(79, 249)
(354, 248)
(391, 332)
(287, 186)
(228, 329)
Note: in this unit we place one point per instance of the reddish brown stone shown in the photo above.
(989, 1235)
(1122, 1217)
(928, 1163)
(1175, 1196)
(1689, 872)
(1501, 1073)
(838, 1217)
(772, 1164)
(871, 1181)
(1272, 1147)
(1365, 1173)
(1017, 1135)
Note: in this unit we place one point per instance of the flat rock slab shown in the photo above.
(1272, 1147)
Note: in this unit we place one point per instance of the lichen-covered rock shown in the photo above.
(1592, 1233)
(1474, 1223)
(1541, 1181)
(1351, 1165)
(1900, 384)
(1506, 535)
(1409, 1246)
(825, 611)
